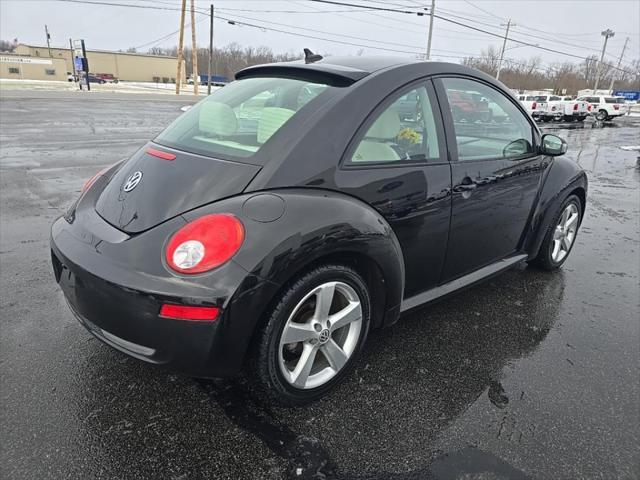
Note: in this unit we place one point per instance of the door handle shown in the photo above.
(466, 185)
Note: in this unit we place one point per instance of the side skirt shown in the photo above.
(462, 282)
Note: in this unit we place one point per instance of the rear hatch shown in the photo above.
(149, 190)
(582, 107)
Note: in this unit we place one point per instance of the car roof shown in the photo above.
(342, 70)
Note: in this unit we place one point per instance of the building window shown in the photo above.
(49, 71)
(14, 70)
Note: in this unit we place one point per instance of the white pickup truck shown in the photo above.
(563, 108)
(537, 109)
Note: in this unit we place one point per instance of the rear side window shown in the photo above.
(612, 100)
(404, 131)
(489, 128)
(238, 119)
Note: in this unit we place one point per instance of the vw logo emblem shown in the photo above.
(132, 182)
(324, 336)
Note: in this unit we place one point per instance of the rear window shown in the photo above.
(237, 120)
(540, 98)
(554, 99)
(530, 99)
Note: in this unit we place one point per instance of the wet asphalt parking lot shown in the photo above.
(530, 375)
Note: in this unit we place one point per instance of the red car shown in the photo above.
(466, 106)
(107, 77)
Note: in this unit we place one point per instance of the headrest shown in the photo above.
(386, 127)
(218, 119)
(271, 119)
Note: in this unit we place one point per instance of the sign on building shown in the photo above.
(12, 59)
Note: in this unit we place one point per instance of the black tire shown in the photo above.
(602, 115)
(544, 259)
(265, 367)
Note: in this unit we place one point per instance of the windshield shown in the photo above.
(238, 119)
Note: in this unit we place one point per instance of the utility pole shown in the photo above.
(46, 31)
(194, 51)
(613, 77)
(85, 63)
(504, 44)
(73, 64)
(431, 12)
(607, 34)
(180, 47)
(210, 51)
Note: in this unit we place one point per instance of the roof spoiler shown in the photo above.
(335, 75)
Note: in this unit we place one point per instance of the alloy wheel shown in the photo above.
(565, 233)
(320, 335)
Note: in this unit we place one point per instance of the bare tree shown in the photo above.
(518, 74)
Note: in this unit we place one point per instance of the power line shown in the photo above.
(327, 33)
(482, 10)
(344, 4)
(370, 22)
(539, 47)
(237, 22)
(370, 7)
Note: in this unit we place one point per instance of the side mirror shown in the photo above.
(553, 145)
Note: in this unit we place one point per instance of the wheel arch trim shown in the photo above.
(564, 178)
(318, 226)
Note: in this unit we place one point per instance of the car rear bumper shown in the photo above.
(119, 303)
(129, 321)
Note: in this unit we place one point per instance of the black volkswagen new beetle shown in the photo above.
(280, 219)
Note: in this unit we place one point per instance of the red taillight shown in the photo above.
(616, 107)
(589, 107)
(205, 243)
(534, 105)
(183, 312)
(160, 154)
(575, 106)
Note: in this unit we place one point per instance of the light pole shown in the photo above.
(504, 44)
(210, 51)
(607, 34)
(431, 12)
(615, 74)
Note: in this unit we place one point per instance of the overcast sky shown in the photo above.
(572, 26)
